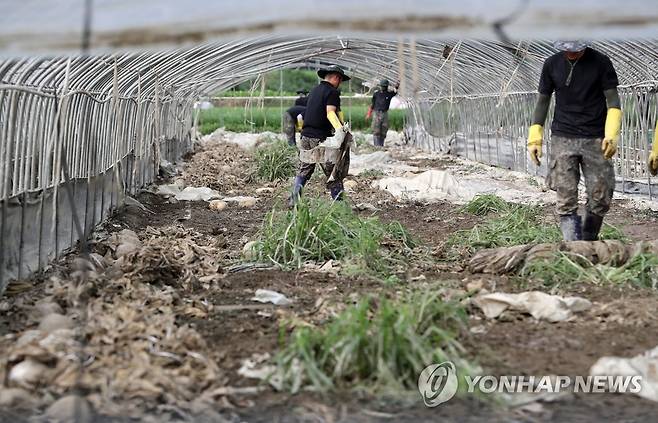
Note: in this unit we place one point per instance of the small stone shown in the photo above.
(67, 408)
(55, 321)
(475, 286)
(349, 185)
(250, 251)
(28, 372)
(218, 205)
(264, 190)
(247, 202)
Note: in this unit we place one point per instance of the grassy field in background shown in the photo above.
(269, 119)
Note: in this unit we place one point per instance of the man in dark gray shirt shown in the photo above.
(584, 133)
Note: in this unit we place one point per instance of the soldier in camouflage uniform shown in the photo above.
(292, 120)
(584, 134)
(378, 110)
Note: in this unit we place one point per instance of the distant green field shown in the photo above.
(269, 119)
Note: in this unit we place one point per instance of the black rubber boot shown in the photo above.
(592, 226)
(296, 191)
(337, 192)
(571, 227)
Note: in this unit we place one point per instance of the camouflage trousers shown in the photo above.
(568, 157)
(288, 127)
(379, 124)
(306, 169)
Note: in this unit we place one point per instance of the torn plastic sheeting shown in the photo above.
(430, 186)
(256, 367)
(539, 305)
(644, 365)
(197, 194)
(267, 296)
(379, 160)
(245, 140)
(169, 190)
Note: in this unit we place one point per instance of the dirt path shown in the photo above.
(231, 329)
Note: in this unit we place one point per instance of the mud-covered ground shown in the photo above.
(201, 290)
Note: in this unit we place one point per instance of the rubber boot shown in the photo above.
(592, 226)
(337, 192)
(571, 227)
(292, 142)
(296, 191)
(377, 141)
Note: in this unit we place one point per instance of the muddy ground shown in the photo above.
(622, 321)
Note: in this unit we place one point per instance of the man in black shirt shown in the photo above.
(292, 119)
(584, 133)
(381, 101)
(302, 99)
(321, 119)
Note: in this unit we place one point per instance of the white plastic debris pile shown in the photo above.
(187, 193)
(245, 140)
(437, 185)
(644, 365)
(539, 305)
(429, 186)
(267, 296)
(379, 160)
(197, 194)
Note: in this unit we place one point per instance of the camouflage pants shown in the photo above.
(306, 169)
(288, 127)
(568, 157)
(379, 124)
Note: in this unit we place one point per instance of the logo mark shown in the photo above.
(438, 383)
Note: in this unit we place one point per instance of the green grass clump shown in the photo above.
(319, 230)
(371, 174)
(516, 224)
(484, 204)
(612, 232)
(375, 344)
(565, 269)
(275, 160)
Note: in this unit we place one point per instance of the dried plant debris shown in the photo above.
(136, 352)
(222, 167)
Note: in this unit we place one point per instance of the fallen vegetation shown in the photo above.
(378, 343)
(514, 224)
(564, 268)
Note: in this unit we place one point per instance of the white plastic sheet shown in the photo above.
(539, 305)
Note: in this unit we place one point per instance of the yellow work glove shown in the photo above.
(653, 157)
(612, 129)
(333, 118)
(300, 122)
(535, 137)
(341, 116)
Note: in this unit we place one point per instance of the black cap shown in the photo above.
(302, 91)
(333, 69)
